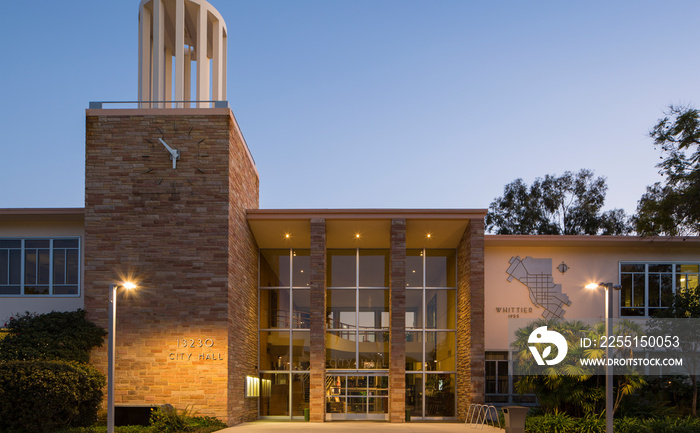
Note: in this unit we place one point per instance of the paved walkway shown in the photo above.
(357, 426)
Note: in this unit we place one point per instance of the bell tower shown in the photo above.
(174, 35)
(167, 186)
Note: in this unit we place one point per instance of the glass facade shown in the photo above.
(357, 310)
(357, 333)
(430, 333)
(284, 339)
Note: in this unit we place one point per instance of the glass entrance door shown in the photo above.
(357, 396)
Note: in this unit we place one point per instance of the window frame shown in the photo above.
(292, 327)
(647, 273)
(52, 285)
(425, 372)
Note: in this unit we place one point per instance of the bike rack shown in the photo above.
(485, 415)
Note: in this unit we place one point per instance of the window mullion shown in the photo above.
(50, 266)
(357, 309)
(22, 260)
(290, 326)
(646, 290)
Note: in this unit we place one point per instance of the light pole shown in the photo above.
(110, 349)
(609, 287)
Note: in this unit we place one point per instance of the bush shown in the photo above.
(52, 336)
(167, 419)
(562, 423)
(42, 396)
(557, 422)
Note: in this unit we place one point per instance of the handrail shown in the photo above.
(98, 105)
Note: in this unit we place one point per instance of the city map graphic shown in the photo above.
(536, 275)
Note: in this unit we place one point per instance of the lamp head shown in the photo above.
(592, 286)
(128, 285)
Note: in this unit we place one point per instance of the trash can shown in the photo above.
(307, 417)
(408, 415)
(515, 418)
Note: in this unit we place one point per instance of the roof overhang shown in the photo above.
(589, 241)
(445, 226)
(42, 214)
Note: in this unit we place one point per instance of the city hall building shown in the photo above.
(245, 313)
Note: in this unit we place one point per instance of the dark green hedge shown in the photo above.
(43, 396)
(57, 335)
(562, 423)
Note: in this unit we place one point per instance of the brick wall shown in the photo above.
(317, 394)
(242, 281)
(182, 233)
(397, 333)
(470, 318)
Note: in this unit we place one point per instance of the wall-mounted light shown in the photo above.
(252, 387)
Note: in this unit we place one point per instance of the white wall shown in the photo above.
(590, 260)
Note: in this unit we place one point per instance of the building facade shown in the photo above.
(245, 313)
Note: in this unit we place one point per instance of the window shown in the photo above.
(430, 332)
(40, 267)
(284, 338)
(357, 309)
(496, 380)
(648, 287)
(499, 386)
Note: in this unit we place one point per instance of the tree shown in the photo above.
(672, 207)
(569, 204)
(570, 386)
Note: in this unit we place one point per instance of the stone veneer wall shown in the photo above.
(317, 394)
(182, 233)
(470, 318)
(397, 332)
(242, 281)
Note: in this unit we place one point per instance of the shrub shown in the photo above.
(167, 419)
(53, 336)
(629, 425)
(42, 396)
(590, 424)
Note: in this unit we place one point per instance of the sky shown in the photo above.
(372, 103)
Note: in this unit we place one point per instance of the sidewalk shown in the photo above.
(357, 426)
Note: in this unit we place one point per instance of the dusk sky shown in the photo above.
(382, 103)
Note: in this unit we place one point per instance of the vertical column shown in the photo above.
(145, 29)
(397, 333)
(202, 59)
(168, 81)
(158, 51)
(223, 66)
(217, 55)
(188, 78)
(317, 394)
(180, 51)
(470, 318)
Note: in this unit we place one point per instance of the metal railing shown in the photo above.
(98, 105)
(485, 415)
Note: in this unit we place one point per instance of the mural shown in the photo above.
(536, 275)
